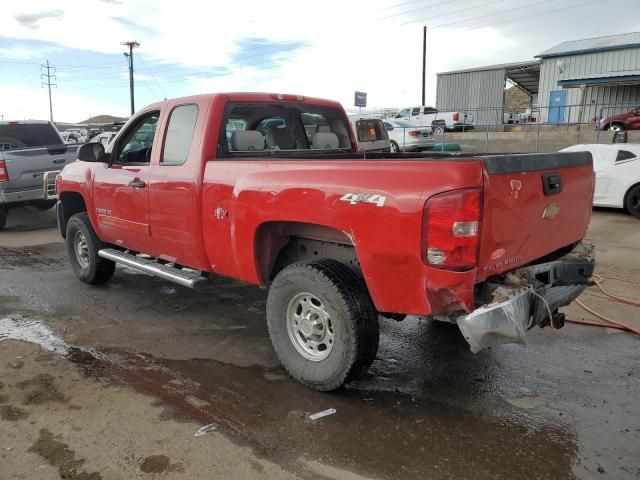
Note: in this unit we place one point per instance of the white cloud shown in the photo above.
(137, 77)
(32, 20)
(348, 44)
(19, 102)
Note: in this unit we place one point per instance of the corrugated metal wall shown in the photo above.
(473, 90)
(625, 61)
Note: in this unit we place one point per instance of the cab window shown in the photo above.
(135, 147)
(403, 113)
(415, 111)
(177, 143)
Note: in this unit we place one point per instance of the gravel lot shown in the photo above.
(112, 382)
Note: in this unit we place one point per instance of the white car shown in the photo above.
(617, 168)
(404, 137)
(104, 138)
(72, 137)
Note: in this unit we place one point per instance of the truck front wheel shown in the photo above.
(82, 247)
(322, 323)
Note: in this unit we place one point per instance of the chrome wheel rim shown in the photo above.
(81, 248)
(309, 327)
(393, 148)
(615, 128)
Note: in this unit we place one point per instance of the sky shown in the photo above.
(328, 49)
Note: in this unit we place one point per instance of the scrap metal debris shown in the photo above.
(206, 429)
(324, 413)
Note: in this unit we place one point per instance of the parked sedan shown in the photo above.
(404, 137)
(617, 168)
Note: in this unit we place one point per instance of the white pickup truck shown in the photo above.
(438, 121)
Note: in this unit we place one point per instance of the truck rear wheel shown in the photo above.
(322, 323)
(82, 247)
(3, 216)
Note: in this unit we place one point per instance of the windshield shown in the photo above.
(273, 129)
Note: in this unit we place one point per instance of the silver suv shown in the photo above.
(29, 149)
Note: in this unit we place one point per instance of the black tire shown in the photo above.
(43, 205)
(353, 320)
(437, 129)
(632, 201)
(3, 217)
(394, 147)
(90, 268)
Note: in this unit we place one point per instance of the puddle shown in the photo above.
(18, 327)
(374, 433)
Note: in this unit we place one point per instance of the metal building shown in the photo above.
(480, 91)
(583, 79)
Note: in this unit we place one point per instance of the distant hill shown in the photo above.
(103, 119)
(515, 99)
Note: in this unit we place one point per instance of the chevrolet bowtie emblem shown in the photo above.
(551, 211)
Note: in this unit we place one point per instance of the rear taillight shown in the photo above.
(413, 133)
(4, 175)
(456, 117)
(451, 229)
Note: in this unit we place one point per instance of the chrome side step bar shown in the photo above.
(186, 278)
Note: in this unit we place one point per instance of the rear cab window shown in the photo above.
(27, 135)
(177, 142)
(281, 129)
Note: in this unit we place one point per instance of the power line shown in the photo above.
(486, 4)
(534, 15)
(481, 16)
(400, 4)
(20, 62)
(48, 83)
(164, 94)
(437, 4)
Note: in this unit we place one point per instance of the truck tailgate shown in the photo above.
(533, 205)
(27, 166)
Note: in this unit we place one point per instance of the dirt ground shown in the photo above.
(113, 382)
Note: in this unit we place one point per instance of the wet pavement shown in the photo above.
(564, 406)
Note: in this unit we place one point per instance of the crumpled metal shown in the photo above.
(498, 323)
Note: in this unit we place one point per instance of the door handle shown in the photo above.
(137, 184)
(58, 161)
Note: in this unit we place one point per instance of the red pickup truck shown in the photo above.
(272, 190)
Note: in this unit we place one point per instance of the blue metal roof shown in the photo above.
(613, 42)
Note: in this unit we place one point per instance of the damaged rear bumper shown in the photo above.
(516, 303)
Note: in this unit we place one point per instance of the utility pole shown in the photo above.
(131, 46)
(424, 63)
(49, 76)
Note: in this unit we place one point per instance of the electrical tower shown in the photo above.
(48, 82)
(129, 55)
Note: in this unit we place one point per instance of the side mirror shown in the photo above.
(91, 152)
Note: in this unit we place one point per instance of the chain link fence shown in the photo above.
(525, 130)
